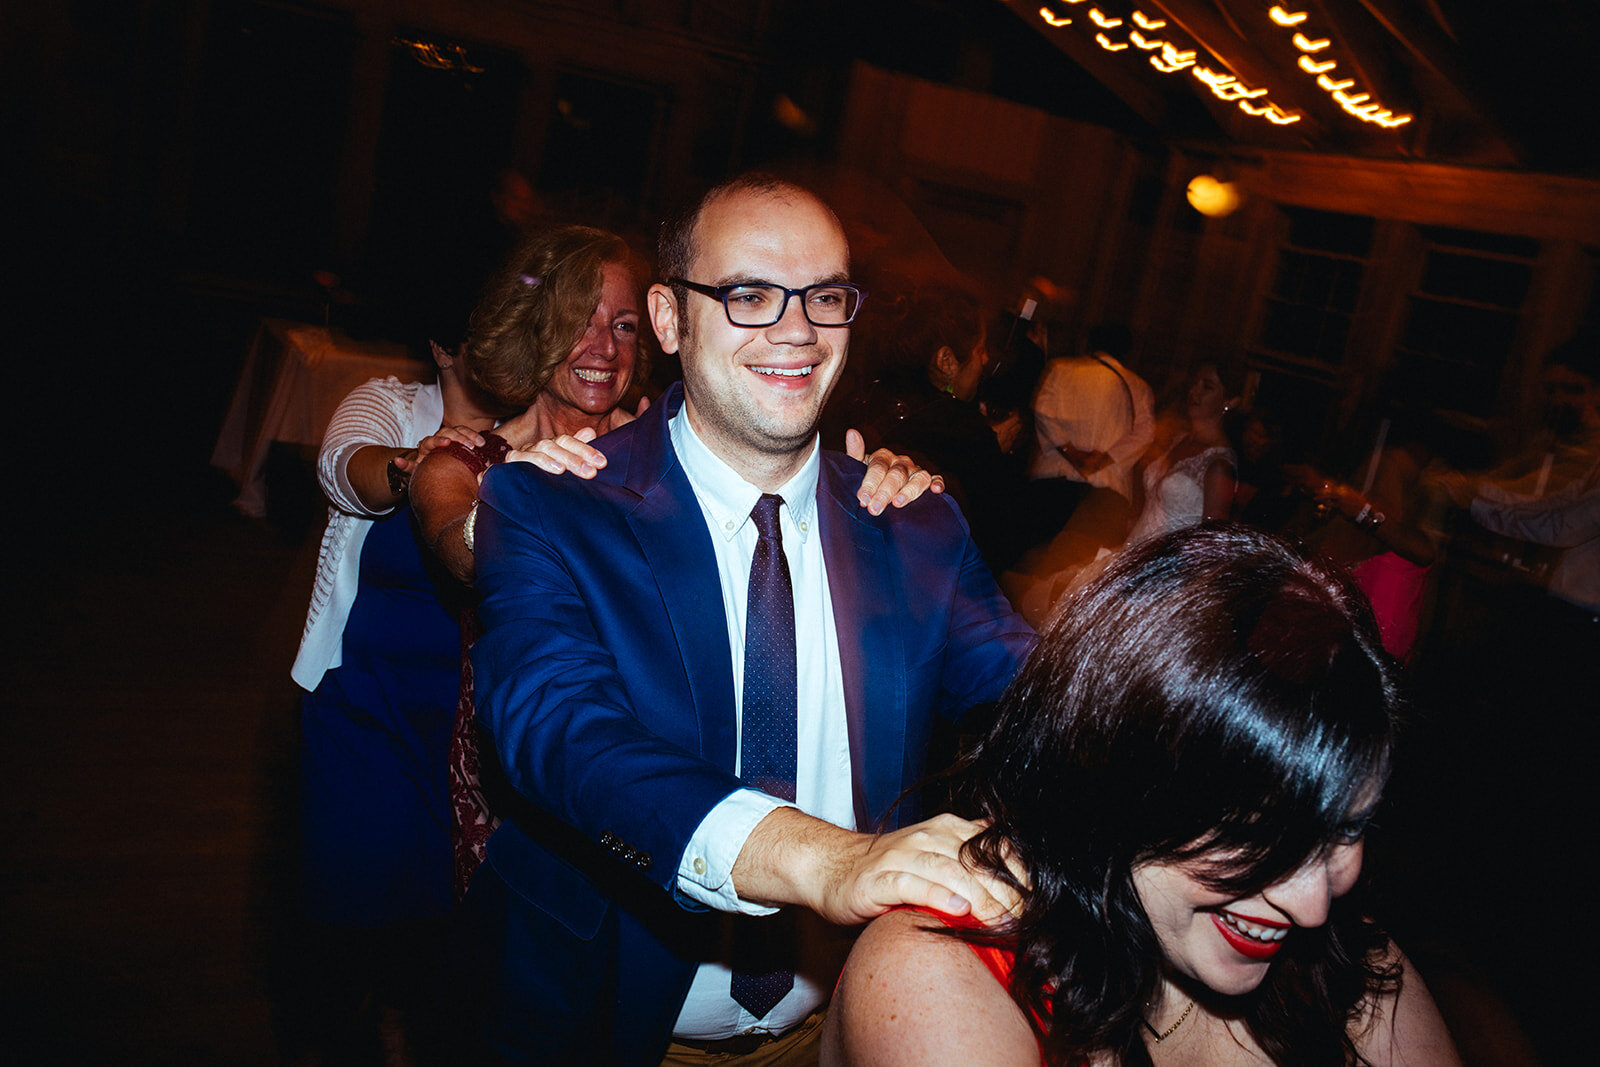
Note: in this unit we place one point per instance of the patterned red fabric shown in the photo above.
(469, 808)
(478, 460)
(474, 822)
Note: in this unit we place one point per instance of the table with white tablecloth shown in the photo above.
(293, 378)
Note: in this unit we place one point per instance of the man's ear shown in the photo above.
(663, 317)
(946, 363)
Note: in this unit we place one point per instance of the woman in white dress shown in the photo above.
(1194, 480)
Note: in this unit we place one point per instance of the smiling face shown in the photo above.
(755, 394)
(1226, 942)
(597, 374)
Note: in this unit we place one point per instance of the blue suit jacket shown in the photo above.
(606, 681)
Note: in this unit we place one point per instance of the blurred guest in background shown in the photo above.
(1184, 772)
(926, 351)
(1194, 479)
(1094, 419)
(1389, 536)
(1568, 518)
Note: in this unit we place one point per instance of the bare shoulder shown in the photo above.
(910, 995)
(1405, 1029)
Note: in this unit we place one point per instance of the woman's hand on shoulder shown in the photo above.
(890, 478)
(1405, 1029)
(464, 435)
(567, 454)
(914, 997)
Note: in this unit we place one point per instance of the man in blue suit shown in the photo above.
(619, 909)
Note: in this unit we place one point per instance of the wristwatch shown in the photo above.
(398, 479)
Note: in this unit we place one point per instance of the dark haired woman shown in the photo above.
(1184, 769)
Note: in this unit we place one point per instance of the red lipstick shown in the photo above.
(1248, 947)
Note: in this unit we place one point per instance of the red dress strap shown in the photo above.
(997, 959)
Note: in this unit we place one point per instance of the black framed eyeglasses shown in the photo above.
(763, 303)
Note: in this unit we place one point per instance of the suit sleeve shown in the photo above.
(988, 639)
(556, 704)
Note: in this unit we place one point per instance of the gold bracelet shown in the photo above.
(469, 527)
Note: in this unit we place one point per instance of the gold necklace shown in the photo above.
(1164, 1034)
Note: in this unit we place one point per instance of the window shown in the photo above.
(1461, 319)
(1308, 311)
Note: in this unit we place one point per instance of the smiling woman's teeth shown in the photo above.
(1254, 932)
(598, 377)
(784, 372)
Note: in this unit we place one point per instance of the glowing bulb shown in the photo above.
(1144, 42)
(1102, 21)
(1332, 86)
(1108, 44)
(1306, 44)
(1046, 14)
(1147, 23)
(1311, 66)
(1284, 18)
(1279, 117)
(1213, 198)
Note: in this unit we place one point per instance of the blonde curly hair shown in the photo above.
(534, 311)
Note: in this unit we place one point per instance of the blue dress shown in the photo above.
(375, 742)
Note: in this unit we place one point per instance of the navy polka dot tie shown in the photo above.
(767, 742)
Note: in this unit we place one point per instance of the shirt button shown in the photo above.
(699, 865)
(728, 525)
(804, 527)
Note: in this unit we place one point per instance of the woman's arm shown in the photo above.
(443, 491)
(1388, 516)
(1219, 486)
(913, 997)
(1405, 1028)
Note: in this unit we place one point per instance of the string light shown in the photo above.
(1170, 59)
(1357, 105)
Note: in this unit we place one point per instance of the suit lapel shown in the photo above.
(672, 535)
(870, 647)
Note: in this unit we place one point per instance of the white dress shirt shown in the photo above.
(1094, 404)
(823, 785)
(1568, 519)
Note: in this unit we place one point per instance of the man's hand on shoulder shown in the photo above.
(849, 878)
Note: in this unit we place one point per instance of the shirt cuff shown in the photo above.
(705, 873)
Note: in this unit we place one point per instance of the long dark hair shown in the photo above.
(1214, 692)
